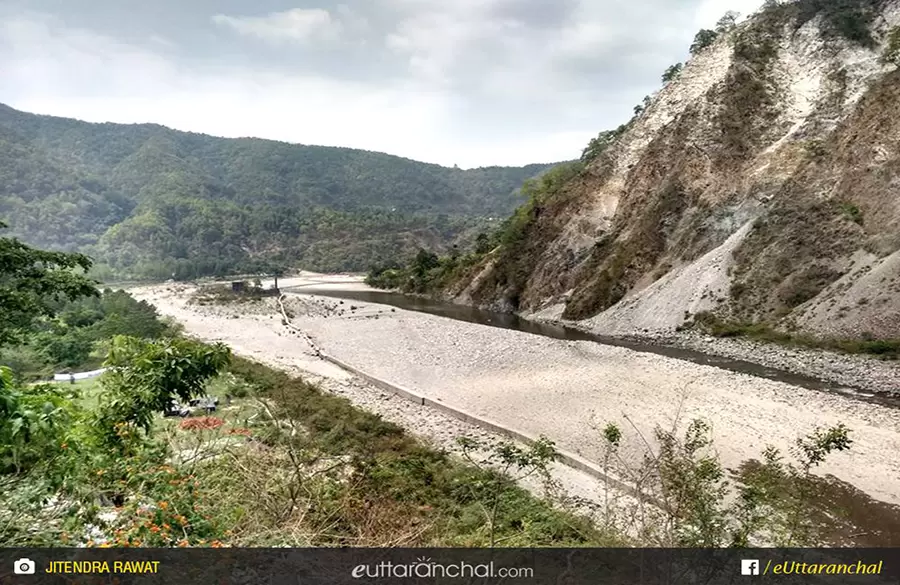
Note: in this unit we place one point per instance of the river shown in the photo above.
(511, 321)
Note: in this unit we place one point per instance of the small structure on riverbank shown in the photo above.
(241, 287)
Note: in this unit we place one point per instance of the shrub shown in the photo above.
(704, 38)
(852, 212)
(601, 142)
(687, 501)
(672, 72)
(144, 377)
(34, 421)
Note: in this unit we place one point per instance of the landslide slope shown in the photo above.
(760, 185)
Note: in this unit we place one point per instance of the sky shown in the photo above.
(454, 82)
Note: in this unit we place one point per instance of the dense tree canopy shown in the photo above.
(31, 279)
(147, 201)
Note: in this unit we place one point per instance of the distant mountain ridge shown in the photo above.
(149, 201)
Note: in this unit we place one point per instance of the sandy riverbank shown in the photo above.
(545, 386)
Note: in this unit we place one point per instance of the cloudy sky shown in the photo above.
(467, 82)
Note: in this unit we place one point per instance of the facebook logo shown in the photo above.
(749, 567)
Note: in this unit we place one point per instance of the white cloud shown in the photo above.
(298, 25)
(471, 82)
(74, 73)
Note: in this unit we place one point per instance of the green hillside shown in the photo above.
(148, 201)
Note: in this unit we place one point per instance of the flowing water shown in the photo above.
(510, 321)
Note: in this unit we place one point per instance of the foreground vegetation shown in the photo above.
(285, 464)
(282, 464)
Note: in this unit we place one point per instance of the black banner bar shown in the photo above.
(347, 566)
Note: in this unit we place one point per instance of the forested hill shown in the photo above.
(148, 201)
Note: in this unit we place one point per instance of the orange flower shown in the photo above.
(163, 505)
(154, 529)
(166, 527)
(216, 544)
(183, 543)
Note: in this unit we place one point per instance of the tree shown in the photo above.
(597, 145)
(33, 420)
(727, 22)
(274, 269)
(482, 243)
(703, 39)
(425, 261)
(672, 72)
(145, 376)
(31, 280)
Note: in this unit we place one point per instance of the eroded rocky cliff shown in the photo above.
(762, 185)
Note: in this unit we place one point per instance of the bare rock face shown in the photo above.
(762, 184)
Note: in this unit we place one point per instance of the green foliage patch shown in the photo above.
(429, 273)
(149, 202)
(718, 327)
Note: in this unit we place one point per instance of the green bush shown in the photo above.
(704, 38)
(601, 142)
(672, 72)
(144, 377)
(852, 212)
(34, 421)
(713, 325)
(688, 500)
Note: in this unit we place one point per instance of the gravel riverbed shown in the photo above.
(542, 386)
(566, 390)
(255, 330)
